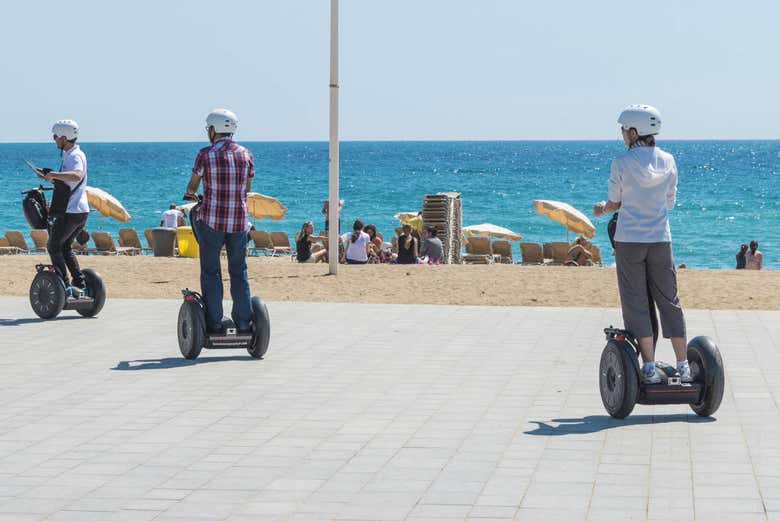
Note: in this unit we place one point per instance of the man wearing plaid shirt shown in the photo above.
(226, 169)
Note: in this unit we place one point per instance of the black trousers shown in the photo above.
(63, 232)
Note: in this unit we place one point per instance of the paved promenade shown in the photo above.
(373, 412)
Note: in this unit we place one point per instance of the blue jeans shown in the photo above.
(210, 242)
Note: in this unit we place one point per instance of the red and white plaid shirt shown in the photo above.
(224, 167)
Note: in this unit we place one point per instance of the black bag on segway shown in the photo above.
(612, 228)
(35, 209)
(59, 198)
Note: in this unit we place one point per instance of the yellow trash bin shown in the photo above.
(188, 246)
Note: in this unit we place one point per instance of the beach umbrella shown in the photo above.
(573, 219)
(186, 207)
(491, 230)
(261, 206)
(405, 216)
(106, 204)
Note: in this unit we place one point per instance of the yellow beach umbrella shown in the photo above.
(405, 216)
(573, 219)
(261, 206)
(491, 230)
(106, 204)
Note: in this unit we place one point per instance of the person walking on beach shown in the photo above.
(643, 186)
(172, 218)
(741, 254)
(226, 169)
(754, 259)
(69, 206)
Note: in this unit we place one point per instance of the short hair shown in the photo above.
(432, 230)
(172, 206)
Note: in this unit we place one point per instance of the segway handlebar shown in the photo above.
(40, 187)
(193, 197)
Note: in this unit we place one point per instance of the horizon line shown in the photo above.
(455, 140)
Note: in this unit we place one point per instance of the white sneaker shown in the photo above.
(685, 373)
(651, 377)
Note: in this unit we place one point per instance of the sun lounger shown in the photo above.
(16, 240)
(104, 244)
(263, 242)
(128, 238)
(6, 248)
(596, 254)
(478, 251)
(504, 249)
(281, 243)
(148, 237)
(40, 239)
(556, 252)
(531, 253)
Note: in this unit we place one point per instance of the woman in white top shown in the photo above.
(643, 186)
(358, 245)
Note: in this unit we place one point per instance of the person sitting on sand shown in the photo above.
(579, 254)
(754, 259)
(432, 247)
(358, 244)
(643, 186)
(306, 247)
(407, 246)
(741, 260)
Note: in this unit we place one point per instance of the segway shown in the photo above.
(47, 292)
(192, 332)
(620, 377)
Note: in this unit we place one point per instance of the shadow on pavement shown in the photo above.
(590, 424)
(5, 322)
(171, 363)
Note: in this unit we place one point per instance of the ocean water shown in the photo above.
(729, 191)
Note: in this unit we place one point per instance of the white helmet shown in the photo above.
(223, 121)
(66, 128)
(644, 118)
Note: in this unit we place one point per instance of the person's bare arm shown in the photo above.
(249, 184)
(71, 176)
(192, 186)
(605, 207)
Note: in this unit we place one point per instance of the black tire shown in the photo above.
(261, 329)
(707, 368)
(47, 294)
(95, 289)
(191, 329)
(618, 381)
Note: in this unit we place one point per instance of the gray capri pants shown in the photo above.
(643, 267)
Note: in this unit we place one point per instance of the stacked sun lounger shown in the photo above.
(443, 210)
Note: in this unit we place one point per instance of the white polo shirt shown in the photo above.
(170, 218)
(74, 159)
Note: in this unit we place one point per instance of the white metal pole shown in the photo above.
(333, 149)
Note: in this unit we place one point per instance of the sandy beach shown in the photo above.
(280, 279)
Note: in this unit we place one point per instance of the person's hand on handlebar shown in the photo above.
(188, 196)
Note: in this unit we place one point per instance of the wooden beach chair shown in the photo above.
(263, 243)
(556, 252)
(281, 243)
(531, 253)
(504, 250)
(104, 244)
(40, 238)
(148, 237)
(16, 240)
(478, 251)
(595, 255)
(6, 248)
(128, 238)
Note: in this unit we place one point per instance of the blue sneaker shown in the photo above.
(74, 292)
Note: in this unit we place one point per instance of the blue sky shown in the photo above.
(424, 69)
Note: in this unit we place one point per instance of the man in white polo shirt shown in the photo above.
(172, 217)
(69, 208)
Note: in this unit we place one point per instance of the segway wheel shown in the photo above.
(707, 368)
(618, 381)
(96, 290)
(47, 294)
(261, 329)
(192, 329)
